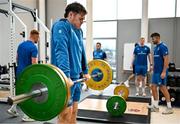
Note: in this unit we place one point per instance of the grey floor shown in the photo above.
(7, 119)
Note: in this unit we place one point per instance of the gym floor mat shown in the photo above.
(93, 108)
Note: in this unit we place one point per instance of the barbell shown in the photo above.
(43, 91)
(116, 105)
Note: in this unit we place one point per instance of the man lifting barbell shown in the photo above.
(26, 55)
(46, 88)
(68, 54)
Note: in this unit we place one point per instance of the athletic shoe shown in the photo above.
(137, 94)
(126, 83)
(27, 119)
(101, 93)
(13, 112)
(153, 108)
(144, 94)
(168, 111)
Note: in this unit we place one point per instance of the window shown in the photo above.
(178, 8)
(161, 8)
(129, 9)
(83, 2)
(104, 9)
(105, 29)
(109, 46)
(83, 27)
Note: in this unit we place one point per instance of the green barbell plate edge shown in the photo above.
(57, 94)
(110, 106)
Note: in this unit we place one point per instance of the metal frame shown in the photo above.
(5, 12)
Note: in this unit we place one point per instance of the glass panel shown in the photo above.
(104, 9)
(105, 29)
(83, 2)
(129, 9)
(83, 27)
(161, 8)
(178, 8)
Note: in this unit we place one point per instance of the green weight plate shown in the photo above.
(57, 94)
(121, 107)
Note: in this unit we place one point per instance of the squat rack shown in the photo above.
(37, 23)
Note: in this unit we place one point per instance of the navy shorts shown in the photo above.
(157, 80)
(140, 70)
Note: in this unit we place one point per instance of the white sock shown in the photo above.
(156, 102)
(169, 105)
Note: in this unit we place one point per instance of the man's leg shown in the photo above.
(74, 113)
(65, 116)
(137, 82)
(127, 81)
(76, 98)
(165, 92)
(143, 85)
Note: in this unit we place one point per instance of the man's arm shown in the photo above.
(34, 60)
(105, 56)
(132, 62)
(60, 45)
(84, 61)
(165, 53)
(150, 61)
(34, 53)
(166, 63)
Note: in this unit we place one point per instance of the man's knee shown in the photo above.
(153, 87)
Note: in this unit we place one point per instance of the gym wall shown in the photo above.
(55, 10)
(129, 31)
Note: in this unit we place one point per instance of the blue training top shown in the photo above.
(160, 50)
(99, 54)
(26, 50)
(141, 53)
(67, 49)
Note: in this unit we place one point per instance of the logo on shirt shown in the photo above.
(60, 31)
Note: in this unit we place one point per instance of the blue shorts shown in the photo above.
(157, 80)
(140, 70)
(75, 93)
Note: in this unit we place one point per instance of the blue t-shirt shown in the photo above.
(99, 54)
(160, 50)
(26, 50)
(67, 49)
(141, 53)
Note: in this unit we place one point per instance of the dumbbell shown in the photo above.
(172, 94)
(116, 105)
(161, 96)
(172, 66)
